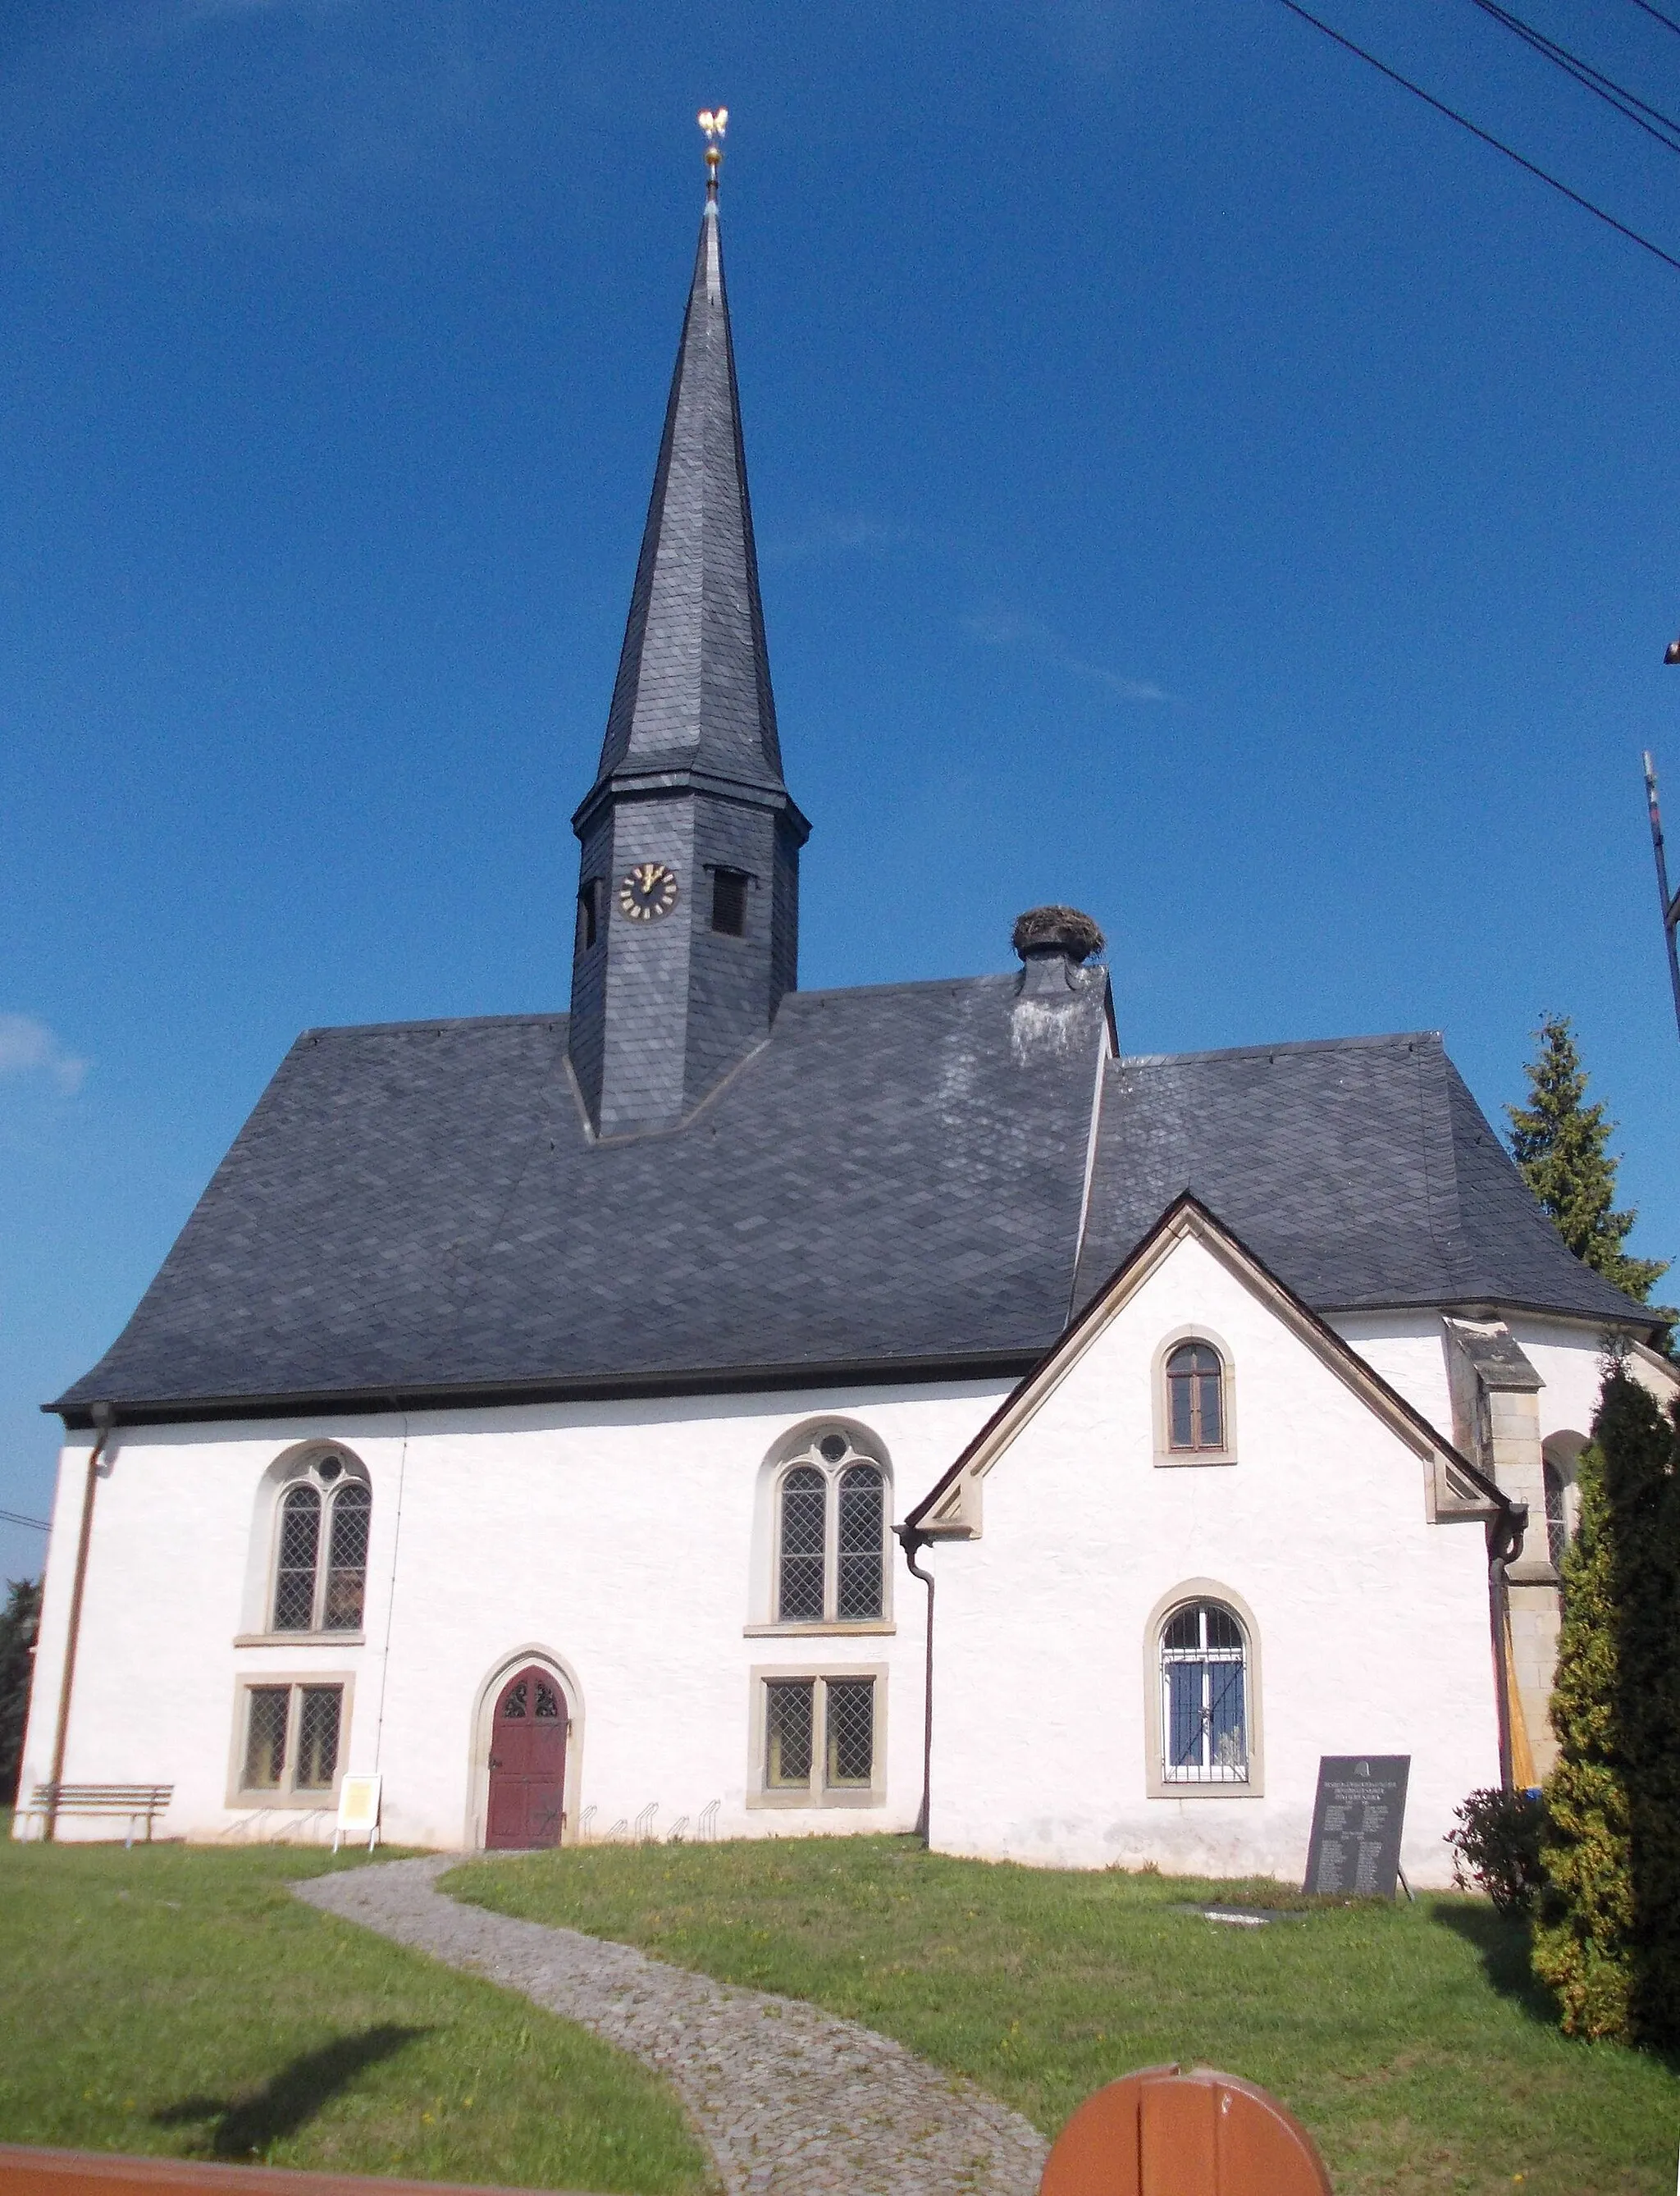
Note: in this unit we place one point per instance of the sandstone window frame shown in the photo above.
(841, 1455)
(300, 1685)
(817, 1791)
(1166, 1455)
(340, 1485)
(1158, 1782)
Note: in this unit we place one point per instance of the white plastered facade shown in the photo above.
(628, 1547)
(625, 1545)
(1366, 1602)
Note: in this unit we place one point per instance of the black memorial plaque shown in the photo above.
(1355, 1851)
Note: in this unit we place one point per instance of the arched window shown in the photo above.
(320, 1555)
(1204, 1696)
(1195, 1398)
(805, 1514)
(831, 1536)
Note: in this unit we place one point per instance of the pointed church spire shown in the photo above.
(688, 905)
(693, 691)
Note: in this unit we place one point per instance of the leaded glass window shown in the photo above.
(1195, 1406)
(1204, 1696)
(320, 1554)
(318, 1737)
(1558, 1516)
(831, 1520)
(347, 1557)
(851, 1719)
(819, 1736)
(805, 1512)
(861, 1550)
(788, 1732)
(268, 1708)
(292, 1735)
(295, 1569)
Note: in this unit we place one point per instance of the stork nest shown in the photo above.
(1056, 930)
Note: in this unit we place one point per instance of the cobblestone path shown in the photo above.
(792, 2101)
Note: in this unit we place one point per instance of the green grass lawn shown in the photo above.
(179, 2000)
(1408, 2038)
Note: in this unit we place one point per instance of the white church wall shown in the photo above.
(1372, 1629)
(1406, 1348)
(623, 1538)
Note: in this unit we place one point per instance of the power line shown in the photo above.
(15, 1518)
(1667, 21)
(1477, 130)
(1628, 104)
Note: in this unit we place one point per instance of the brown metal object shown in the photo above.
(1164, 2132)
(26, 2172)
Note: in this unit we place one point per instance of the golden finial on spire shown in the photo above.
(713, 121)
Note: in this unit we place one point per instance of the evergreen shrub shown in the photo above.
(1608, 1940)
(19, 1620)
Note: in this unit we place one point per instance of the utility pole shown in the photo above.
(1670, 902)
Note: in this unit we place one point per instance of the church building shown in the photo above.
(578, 1419)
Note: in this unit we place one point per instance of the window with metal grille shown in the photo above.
(1195, 1405)
(320, 1557)
(291, 1739)
(1203, 1696)
(831, 1537)
(728, 902)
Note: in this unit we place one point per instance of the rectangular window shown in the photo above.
(850, 1760)
(788, 1731)
(819, 1739)
(728, 902)
(589, 914)
(290, 1739)
(318, 1737)
(265, 1736)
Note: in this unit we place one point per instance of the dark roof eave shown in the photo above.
(443, 1396)
(1648, 1317)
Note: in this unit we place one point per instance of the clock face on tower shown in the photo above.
(647, 892)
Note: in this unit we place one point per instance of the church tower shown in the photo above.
(688, 896)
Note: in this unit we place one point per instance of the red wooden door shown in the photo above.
(527, 1762)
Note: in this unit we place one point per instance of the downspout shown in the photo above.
(104, 1417)
(912, 1542)
(1505, 1545)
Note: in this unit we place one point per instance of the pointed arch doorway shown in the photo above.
(527, 1762)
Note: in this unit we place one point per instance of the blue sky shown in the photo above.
(1191, 480)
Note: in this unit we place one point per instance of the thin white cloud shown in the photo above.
(1007, 629)
(828, 537)
(28, 1047)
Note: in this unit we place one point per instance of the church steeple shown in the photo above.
(688, 905)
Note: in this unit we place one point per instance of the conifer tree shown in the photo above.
(1608, 1938)
(20, 1620)
(1560, 1143)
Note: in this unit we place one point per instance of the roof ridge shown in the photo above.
(439, 1022)
(1410, 1038)
(907, 984)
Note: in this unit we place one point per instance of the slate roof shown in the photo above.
(892, 1183)
(1360, 1170)
(894, 1178)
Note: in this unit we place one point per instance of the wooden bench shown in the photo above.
(140, 1803)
